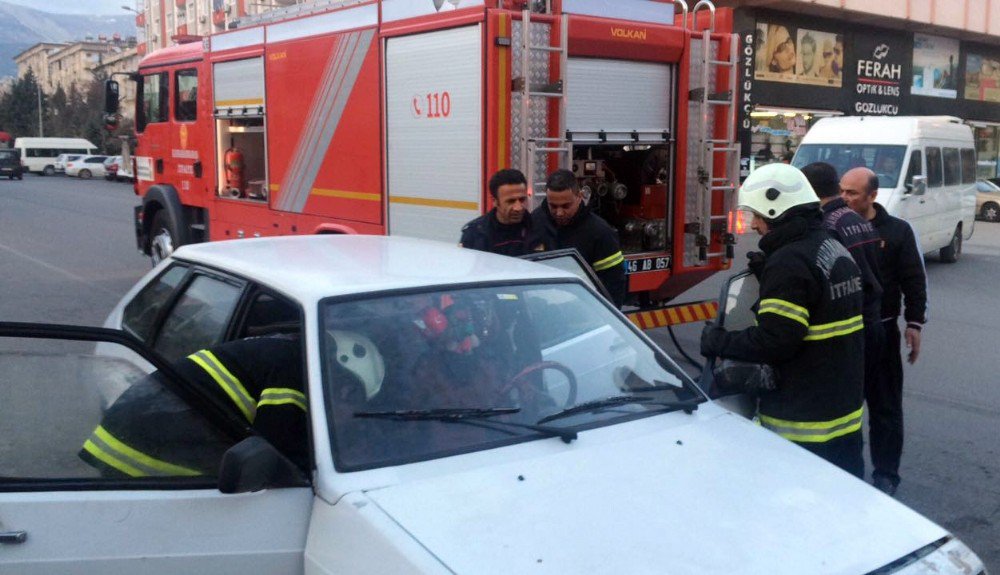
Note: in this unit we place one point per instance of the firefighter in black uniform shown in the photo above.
(860, 238)
(809, 323)
(563, 221)
(150, 432)
(903, 278)
(505, 229)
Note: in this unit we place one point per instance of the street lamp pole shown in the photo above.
(41, 128)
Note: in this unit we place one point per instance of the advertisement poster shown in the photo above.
(935, 66)
(878, 73)
(982, 78)
(798, 55)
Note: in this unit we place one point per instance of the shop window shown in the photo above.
(952, 167)
(186, 95)
(934, 172)
(968, 166)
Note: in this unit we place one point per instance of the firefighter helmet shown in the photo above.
(772, 190)
(359, 355)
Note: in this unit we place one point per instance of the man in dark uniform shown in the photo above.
(903, 278)
(563, 221)
(809, 323)
(150, 432)
(860, 238)
(505, 229)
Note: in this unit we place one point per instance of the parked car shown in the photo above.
(988, 201)
(10, 163)
(39, 154)
(59, 166)
(86, 167)
(468, 413)
(111, 167)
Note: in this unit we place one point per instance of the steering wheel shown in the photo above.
(533, 393)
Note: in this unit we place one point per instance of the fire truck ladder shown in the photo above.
(711, 147)
(535, 148)
(294, 10)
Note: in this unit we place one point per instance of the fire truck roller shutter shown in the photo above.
(238, 86)
(435, 128)
(618, 96)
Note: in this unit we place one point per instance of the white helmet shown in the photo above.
(358, 354)
(772, 190)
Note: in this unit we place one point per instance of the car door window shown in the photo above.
(952, 167)
(140, 314)
(70, 410)
(268, 314)
(199, 317)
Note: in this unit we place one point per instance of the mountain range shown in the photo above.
(22, 27)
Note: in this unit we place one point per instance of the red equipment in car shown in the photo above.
(235, 181)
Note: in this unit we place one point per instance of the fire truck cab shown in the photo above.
(389, 116)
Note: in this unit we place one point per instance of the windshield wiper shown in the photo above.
(689, 405)
(469, 416)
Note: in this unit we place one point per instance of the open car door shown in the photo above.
(131, 485)
(736, 300)
(570, 260)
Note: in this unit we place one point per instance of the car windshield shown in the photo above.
(511, 355)
(885, 161)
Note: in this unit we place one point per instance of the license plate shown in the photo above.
(647, 265)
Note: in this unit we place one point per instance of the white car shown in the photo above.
(60, 164)
(532, 429)
(86, 167)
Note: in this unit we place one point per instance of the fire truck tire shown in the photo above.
(162, 237)
(48, 171)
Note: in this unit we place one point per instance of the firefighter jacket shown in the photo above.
(810, 329)
(150, 432)
(862, 241)
(487, 234)
(594, 238)
(902, 268)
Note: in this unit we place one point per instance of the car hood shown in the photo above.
(716, 495)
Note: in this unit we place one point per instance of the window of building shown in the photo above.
(186, 94)
(987, 157)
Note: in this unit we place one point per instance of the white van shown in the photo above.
(39, 154)
(926, 167)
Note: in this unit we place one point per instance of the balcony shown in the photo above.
(179, 3)
(140, 20)
(182, 30)
(219, 17)
(140, 49)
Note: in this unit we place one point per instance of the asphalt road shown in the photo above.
(67, 254)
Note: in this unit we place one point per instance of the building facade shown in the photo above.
(162, 23)
(37, 59)
(805, 60)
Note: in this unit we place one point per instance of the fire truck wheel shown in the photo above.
(161, 243)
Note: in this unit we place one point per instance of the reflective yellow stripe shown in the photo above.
(610, 261)
(227, 381)
(129, 460)
(835, 329)
(282, 396)
(785, 309)
(814, 431)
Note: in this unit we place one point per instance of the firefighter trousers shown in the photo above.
(845, 452)
(884, 395)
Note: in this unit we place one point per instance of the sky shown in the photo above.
(92, 7)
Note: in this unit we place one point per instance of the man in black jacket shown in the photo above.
(563, 221)
(901, 265)
(809, 321)
(505, 229)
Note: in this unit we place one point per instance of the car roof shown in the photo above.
(309, 268)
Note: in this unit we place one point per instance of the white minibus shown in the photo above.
(926, 167)
(39, 154)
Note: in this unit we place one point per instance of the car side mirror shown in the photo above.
(111, 89)
(917, 186)
(254, 464)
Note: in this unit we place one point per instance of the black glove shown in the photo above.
(733, 376)
(712, 338)
(755, 263)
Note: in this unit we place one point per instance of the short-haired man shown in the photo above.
(563, 221)
(505, 229)
(901, 265)
(859, 237)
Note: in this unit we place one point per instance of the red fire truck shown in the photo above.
(388, 116)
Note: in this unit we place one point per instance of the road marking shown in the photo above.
(56, 269)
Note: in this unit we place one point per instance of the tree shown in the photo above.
(19, 106)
